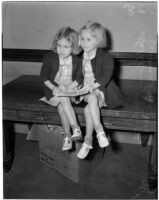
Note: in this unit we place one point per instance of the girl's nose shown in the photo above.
(84, 43)
(61, 49)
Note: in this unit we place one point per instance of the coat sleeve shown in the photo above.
(45, 69)
(106, 71)
(79, 74)
(44, 73)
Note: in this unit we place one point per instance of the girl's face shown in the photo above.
(64, 48)
(88, 42)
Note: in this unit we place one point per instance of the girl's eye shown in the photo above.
(67, 47)
(82, 39)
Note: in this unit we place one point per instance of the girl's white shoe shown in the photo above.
(84, 150)
(102, 139)
(77, 135)
(67, 144)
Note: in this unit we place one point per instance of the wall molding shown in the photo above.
(123, 58)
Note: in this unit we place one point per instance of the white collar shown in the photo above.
(90, 56)
(66, 60)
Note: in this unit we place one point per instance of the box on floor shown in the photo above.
(65, 162)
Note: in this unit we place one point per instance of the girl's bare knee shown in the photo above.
(64, 100)
(60, 109)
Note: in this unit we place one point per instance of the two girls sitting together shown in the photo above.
(63, 70)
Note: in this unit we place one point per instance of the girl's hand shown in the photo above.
(96, 92)
(72, 86)
(56, 91)
(88, 88)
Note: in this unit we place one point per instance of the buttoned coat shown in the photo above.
(103, 68)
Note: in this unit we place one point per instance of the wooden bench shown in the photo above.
(21, 98)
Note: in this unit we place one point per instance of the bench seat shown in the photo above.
(21, 103)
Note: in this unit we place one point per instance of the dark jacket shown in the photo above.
(103, 67)
(50, 68)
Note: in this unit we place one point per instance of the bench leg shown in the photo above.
(8, 144)
(152, 164)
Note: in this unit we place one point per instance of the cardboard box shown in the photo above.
(66, 162)
(21, 128)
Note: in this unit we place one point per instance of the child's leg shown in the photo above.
(64, 121)
(95, 114)
(67, 143)
(94, 109)
(70, 114)
(89, 127)
(68, 110)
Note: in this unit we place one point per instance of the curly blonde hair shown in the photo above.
(97, 31)
(70, 35)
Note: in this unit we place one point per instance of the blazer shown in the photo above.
(50, 68)
(103, 67)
